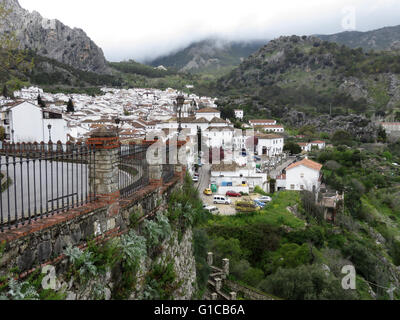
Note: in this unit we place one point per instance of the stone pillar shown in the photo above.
(155, 174)
(214, 296)
(225, 266)
(210, 259)
(233, 295)
(218, 284)
(104, 172)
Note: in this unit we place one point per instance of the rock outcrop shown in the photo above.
(53, 39)
(358, 126)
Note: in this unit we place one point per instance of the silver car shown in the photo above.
(264, 199)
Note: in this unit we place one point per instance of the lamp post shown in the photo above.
(180, 100)
(117, 122)
(49, 127)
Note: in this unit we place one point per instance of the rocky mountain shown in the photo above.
(315, 77)
(214, 56)
(387, 38)
(53, 39)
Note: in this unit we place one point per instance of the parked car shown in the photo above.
(264, 199)
(222, 200)
(259, 204)
(195, 179)
(246, 206)
(257, 158)
(233, 194)
(207, 192)
(212, 209)
(258, 170)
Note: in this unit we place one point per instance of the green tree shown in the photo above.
(40, 101)
(5, 92)
(342, 137)
(70, 106)
(2, 133)
(382, 136)
(292, 147)
(306, 282)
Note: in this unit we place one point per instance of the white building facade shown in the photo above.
(269, 144)
(26, 122)
(304, 175)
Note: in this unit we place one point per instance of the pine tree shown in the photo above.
(70, 106)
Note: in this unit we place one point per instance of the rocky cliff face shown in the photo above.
(53, 39)
(358, 126)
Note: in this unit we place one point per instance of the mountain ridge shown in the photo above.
(314, 76)
(209, 55)
(53, 39)
(386, 38)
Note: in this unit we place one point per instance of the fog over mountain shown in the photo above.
(145, 30)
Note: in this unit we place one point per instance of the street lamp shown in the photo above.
(180, 100)
(117, 122)
(49, 127)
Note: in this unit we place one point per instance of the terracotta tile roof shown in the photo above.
(307, 163)
(270, 126)
(208, 110)
(318, 141)
(217, 120)
(268, 136)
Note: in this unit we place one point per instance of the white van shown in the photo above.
(212, 209)
(222, 200)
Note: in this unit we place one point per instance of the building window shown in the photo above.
(301, 175)
(292, 186)
(302, 187)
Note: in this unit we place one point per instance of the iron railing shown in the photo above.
(168, 172)
(39, 180)
(133, 169)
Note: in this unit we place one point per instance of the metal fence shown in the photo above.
(133, 169)
(168, 172)
(39, 180)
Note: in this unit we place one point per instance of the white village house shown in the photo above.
(301, 175)
(262, 122)
(269, 144)
(208, 113)
(239, 114)
(26, 122)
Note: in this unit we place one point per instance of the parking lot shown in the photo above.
(226, 210)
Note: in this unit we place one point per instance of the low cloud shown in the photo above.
(144, 30)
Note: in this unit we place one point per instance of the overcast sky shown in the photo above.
(144, 29)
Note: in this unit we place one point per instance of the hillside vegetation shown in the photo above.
(288, 249)
(314, 76)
